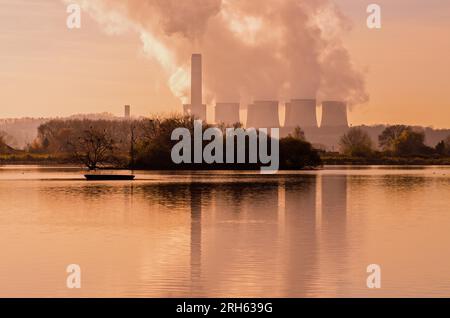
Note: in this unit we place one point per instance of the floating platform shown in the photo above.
(108, 177)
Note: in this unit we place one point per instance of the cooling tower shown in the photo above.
(227, 113)
(263, 114)
(334, 114)
(302, 113)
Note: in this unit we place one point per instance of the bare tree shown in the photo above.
(133, 141)
(356, 142)
(298, 133)
(93, 148)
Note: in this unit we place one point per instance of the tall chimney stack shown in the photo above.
(196, 81)
(197, 108)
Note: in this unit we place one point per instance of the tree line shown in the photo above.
(394, 141)
(146, 144)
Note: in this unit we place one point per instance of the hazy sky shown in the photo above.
(49, 70)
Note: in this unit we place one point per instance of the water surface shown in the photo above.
(226, 234)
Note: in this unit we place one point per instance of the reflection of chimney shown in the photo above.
(334, 114)
(127, 111)
(263, 114)
(227, 113)
(302, 113)
(197, 109)
(196, 233)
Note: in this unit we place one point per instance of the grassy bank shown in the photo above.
(31, 158)
(51, 159)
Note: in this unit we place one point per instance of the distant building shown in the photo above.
(298, 113)
(127, 113)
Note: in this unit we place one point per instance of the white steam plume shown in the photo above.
(252, 49)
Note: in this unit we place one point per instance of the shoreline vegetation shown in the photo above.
(146, 144)
(342, 160)
(327, 160)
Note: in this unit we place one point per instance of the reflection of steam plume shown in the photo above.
(261, 49)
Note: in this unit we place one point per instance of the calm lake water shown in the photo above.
(230, 234)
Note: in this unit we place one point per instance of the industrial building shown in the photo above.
(334, 114)
(263, 114)
(301, 113)
(266, 113)
(227, 113)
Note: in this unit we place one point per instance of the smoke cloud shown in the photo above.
(262, 49)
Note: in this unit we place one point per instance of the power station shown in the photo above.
(266, 113)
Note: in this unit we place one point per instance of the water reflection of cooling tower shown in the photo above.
(301, 113)
(302, 246)
(334, 202)
(263, 114)
(334, 114)
(227, 113)
(334, 216)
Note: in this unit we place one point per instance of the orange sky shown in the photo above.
(48, 70)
